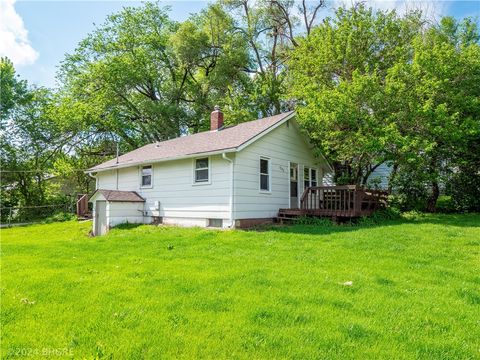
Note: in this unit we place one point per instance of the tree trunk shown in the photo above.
(392, 177)
(432, 200)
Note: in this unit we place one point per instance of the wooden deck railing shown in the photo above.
(341, 201)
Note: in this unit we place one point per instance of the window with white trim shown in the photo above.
(264, 174)
(309, 177)
(313, 177)
(146, 176)
(306, 177)
(202, 172)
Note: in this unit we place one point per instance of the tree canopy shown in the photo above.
(375, 87)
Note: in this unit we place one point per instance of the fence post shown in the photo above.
(10, 218)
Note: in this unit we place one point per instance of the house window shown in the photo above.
(306, 177)
(313, 177)
(309, 177)
(264, 174)
(147, 176)
(201, 170)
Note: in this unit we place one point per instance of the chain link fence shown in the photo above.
(21, 215)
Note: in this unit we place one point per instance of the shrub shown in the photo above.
(59, 217)
(464, 188)
(380, 216)
(307, 220)
(411, 193)
(445, 204)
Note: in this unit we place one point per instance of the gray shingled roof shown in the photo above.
(228, 138)
(120, 196)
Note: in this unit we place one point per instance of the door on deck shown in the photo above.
(293, 186)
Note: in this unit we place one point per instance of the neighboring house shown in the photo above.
(379, 178)
(232, 176)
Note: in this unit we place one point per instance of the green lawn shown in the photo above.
(153, 292)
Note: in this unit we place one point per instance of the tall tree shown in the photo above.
(270, 28)
(145, 78)
(435, 103)
(338, 74)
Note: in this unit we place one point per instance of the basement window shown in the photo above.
(217, 223)
(202, 170)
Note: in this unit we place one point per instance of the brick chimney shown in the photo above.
(216, 119)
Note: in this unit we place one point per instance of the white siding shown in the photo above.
(174, 196)
(174, 189)
(380, 176)
(124, 212)
(282, 145)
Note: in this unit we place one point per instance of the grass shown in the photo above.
(283, 293)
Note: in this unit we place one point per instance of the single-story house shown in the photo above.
(229, 176)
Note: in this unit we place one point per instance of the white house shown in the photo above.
(232, 176)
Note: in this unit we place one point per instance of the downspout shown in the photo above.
(232, 183)
(93, 177)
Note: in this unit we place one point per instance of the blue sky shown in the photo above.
(37, 34)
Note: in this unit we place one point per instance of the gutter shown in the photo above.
(232, 194)
(149, 162)
(208, 153)
(93, 177)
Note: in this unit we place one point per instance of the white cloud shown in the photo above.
(14, 41)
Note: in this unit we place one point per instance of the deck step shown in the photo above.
(289, 215)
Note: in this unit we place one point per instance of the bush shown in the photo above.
(60, 217)
(307, 220)
(464, 188)
(445, 204)
(380, 216)
(411, 193)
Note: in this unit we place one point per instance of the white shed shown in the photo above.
(113, 207)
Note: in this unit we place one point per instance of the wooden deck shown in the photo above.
(347, 201)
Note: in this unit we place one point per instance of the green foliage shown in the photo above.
(338, 74)
(34, 137)
(435, 103)
(306, 220)
(299, 292)
(381, 216)
(60, 216)
(445, 204)
(166, 79)
(411, 192)
(375, 87)
(464, 187)
(14, 91)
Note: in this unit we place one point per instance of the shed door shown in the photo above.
(100, 217)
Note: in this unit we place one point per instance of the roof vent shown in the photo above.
(216, 119)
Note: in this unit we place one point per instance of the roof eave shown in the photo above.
(208, 153)
(154, 161)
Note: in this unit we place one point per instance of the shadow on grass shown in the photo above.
(127, 226)
(450, 220)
